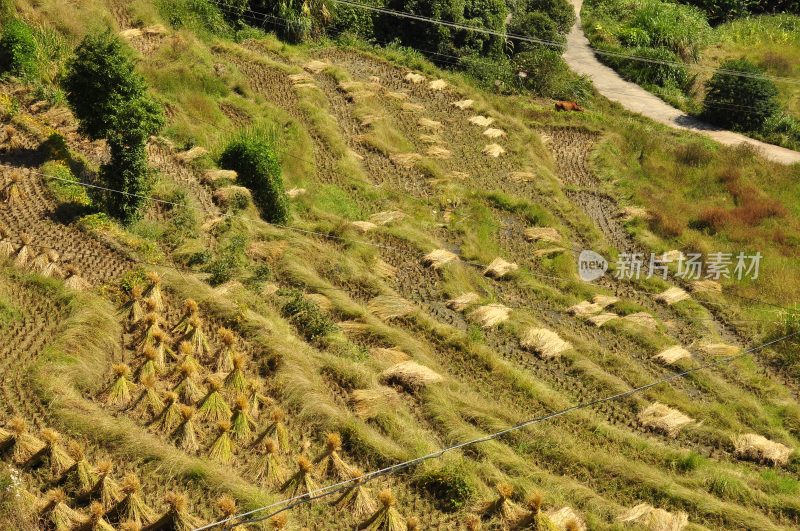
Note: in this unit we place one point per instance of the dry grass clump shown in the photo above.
(177, 517)
(329, 464)
(192, 154)
(493, 132)
(363, 226)
(294, 193)
(493, 150)
(432, 125)
(463, 104)
(672, 295)
(490, 315)
(522, 176)
(438, 152)
(431, 139)
(387, 217)
(414, 78)
(672, 354)
(542, 234)
(55, 513)
(132, 507)
(302, 481)
(387, 517)
(463, 301)
(719, 349)
(706, 286)
(412, 107)
(213, 176)
(545, 342)
(390, 306)
(664, 419)
(566, 518)
(633, 212)
(410, 375)
(655, 519)
(500, 269)
(316, 66)
(369, 403)
(16, 439)
(406, 160)
(603, 318)
(643, 319)
(356, 499)
(481, 121)
(502, 508)
(389, 355)
(439, 258)
(584, 308)
(760, 449)
(399, 95)
(437, 85)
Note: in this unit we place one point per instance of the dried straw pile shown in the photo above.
(672, 354)
(369, 403)
(603, 318)
(414, 78)
(463, 301)
(605, 300)
(642, 319)
(706, 286)
(584, 308)
(438, 152)
(758, 448)
(432, 125)
(719, 349)
(566, 515)
(316, 66)
(439, 258)
(545, 342)
(390, 306)
(481, 121)
(437, 85)
(387, 217)
(490, 315)
(493, 132)
(191, 155)
(363, 226)
(664, 419)
(463, 104)
(410, 375)
(389, 355)
(406, 160)
(542, 234)
(493, 150)
(499, 269)
(672, 295)
(654, 519)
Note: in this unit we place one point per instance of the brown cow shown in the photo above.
(568, 106)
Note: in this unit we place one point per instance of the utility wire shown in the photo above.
(289, 503)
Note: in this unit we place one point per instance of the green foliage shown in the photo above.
(723, 10)
(739, 102)
(201, 15)
(354, 21)
(18, 50)
(544, 72)
(536, 25)
(294, 20)
(252, 156)
(228, 262)
(495, 75)
(560, 12)
(127, 172)
(307, 317)
(58, 177)
(449, 485)
(663, 68)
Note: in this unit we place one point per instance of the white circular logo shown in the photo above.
(591, 266)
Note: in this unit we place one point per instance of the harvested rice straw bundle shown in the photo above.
(58, 459)
(187, 387)
(330, 464)
(463, 301)
(119, 394)
(277, 429)
(500, 269)
(412, 524)
(256, 397)
(150, 305)
(186, 355)
(185, 436)
(222, 448)
(96, 520)
(438, 152)
(197, 337)
(82, 475)
(672, 296)
(437, 85)
(177, 517)
(410, 375)
(170, 416)
(38, 264)
(106, 489)
(432, 125)
(672, 354)
(149, 366)
(302, 481)
(463, 104)
(439, 258)
(22, 444)
(162, 350)
(227, 506)
(279, 521)
(132, 309)
(56, 514)
(268, 470)
(241, 421)
(387, 307)
(24, 253)
(236, 380)
(719, 349)
(502, 508)
(406, 160)
(150, 324)
(224, 362)
(73, 279)
(190, 311)
(149, 399)
(584, 308)
(431, 139)
(356, 499)
(534, 519)
(153, 291)
(132, 507)
(568, 519)
(52, 269)
(706, 286)
(546, 343)
(493, 150)
(7, 248)
(363, 226)
(662, 418)
(414, 78)
(12, 192)
(387, 518)
(214, 407)
(369, 403)
(472, 522)
(542, 234)
(481, 121)
(493, 132)
(490, 315)
(760, 449)
(387, 217)
(650, 517)
(603, 318)
(605, 300)
(642, 319)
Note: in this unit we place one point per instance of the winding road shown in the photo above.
(580, 57)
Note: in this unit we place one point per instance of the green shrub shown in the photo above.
(228, 262)
(497, 75)
(18, 50)
(58, 177)
(559, 11)
(741, 102)
(682, 29)
(202, 15)
(252, 156)
(354, 21)
(449, 485)
(307, 317)
(536, 25)
(662, 68)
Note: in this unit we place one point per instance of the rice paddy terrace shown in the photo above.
(424, 294)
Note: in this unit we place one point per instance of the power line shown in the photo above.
(290, 503)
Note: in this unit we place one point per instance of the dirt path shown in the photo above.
(580, 57)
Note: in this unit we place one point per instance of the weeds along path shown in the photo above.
(36, 321)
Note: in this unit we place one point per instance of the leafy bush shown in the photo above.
(495, 75)
(662, 68)
(252, 156)
(354, 21)
(18, 50)
(294, 20)
(723, 10)
(559, 11)
(228, 262)
(545, 73)
(307, 317)
(536, 25)
(741, 102)
(58, 177)
(449, 485)
(679, 28)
